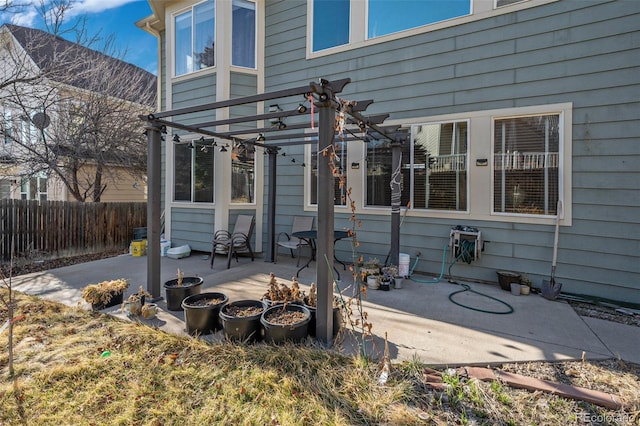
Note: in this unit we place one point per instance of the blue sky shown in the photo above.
(109, 17)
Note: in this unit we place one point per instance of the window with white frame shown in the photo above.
(331, 21)
(243, 173)
(438, 167)
(391, 16)
(526, 159)
(7, 127)
(193, 172)
(243, 37)
(340, 188)
(33, 188)
(340, 23)
(194, 38)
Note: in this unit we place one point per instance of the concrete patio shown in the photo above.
(419, 319)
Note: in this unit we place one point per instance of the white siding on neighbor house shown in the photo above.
(585, 53)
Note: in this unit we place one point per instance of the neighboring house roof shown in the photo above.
(49, 52)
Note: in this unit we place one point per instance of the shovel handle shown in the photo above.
(555, 237)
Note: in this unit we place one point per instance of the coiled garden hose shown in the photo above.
(466, 254)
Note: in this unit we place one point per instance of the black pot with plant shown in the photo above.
(201, 312)
(311, 302)
(240, 320)
(178, 289)
(285, 323)
(105, 294)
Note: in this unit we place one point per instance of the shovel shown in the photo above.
(551, 289)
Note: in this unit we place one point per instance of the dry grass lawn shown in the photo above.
(82, 368)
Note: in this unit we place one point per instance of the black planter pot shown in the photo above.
(337, 319)
(116, 299)
(242, 328)
(280, 333)
(201, 318)
(506, 278)
(176, 294)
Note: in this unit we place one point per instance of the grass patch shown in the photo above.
(64, 376)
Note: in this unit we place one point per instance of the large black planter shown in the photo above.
(116, 299)
(177, 293)
(280, 333)
(201, 317)
(243, 328)
(337, 319)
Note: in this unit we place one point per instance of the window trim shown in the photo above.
(172, 39)
(171, 180)
(480, 9)
(480, 202)
(255, 52)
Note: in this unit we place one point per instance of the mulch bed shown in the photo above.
(243, 311)
(282, 317)
(209, 301)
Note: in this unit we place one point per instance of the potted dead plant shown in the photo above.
(311, 303)
(285, 323)
(201, 312)
(280, 293)
(370, 268)
(135, 302)
(105, 294)
(180, 288)
(240, 320)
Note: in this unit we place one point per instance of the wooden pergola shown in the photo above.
(325, 104)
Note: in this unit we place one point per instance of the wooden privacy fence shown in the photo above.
(49, 229)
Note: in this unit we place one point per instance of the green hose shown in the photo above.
(466, 254)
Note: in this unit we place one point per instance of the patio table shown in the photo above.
(310, 238)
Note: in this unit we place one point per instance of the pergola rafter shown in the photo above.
(325, 103)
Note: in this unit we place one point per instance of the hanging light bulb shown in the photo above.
(223, 148)
(176, 138)
(302, 108)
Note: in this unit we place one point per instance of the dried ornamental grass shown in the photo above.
(102, 292)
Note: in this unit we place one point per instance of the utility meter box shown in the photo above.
(465, 243)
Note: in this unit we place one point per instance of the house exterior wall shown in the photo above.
(581, 57)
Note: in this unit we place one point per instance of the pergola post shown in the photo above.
(326, 194)
(154, 139)
(271, 205)
(396, 195)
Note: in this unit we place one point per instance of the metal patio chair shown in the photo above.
(300, 223)
(234, 242)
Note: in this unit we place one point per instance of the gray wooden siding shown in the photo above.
(242, 85)
(198, 90)
(587, 53)
(192, 226)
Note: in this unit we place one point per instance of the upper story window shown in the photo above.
(194, 38)
(244, 34)
(330, 23)
(391, 16)
(350, 24)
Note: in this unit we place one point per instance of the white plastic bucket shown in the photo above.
(164, 247)
(403, 264)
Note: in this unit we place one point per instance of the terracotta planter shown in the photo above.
(175, 293)
(240, 320)
(278, 331)
(201, 315)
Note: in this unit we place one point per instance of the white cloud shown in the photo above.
(96, 6)
(27, 18)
